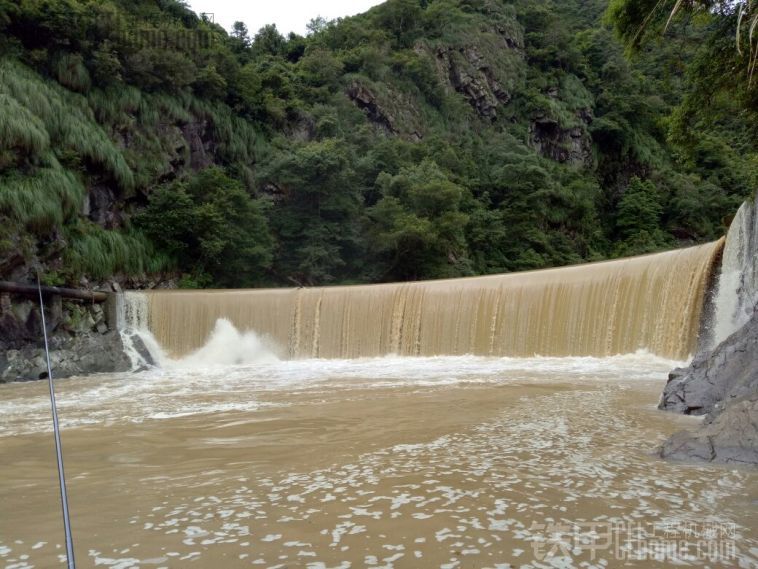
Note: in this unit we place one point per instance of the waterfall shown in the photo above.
(225, 345)
(132, 320)
(653, 303)
(737, 293)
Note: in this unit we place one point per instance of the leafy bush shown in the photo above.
(211, 227)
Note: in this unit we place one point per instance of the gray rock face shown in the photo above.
(365, 99)
(79, 337)
(722, 383)
(471, 75)
(565, 145)
(728, 437)
(716, 378)
(81, 355)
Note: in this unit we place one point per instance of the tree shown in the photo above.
(211, 227)
(240, 33)
(269, 41)
(402, 19)
(724, 65)
(317, 223)
(639, 220)
(316, 25)
(419, 224)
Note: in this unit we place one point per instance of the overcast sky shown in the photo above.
(288, 15)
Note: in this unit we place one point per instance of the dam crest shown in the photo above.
(653, 302)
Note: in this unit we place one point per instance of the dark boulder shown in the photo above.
(726, 437)
(715, 378)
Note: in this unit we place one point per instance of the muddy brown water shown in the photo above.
(456, 462)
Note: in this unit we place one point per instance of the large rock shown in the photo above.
(79, 338)
(727, 437)
(722, 382)
(717, 377)
(81, 355)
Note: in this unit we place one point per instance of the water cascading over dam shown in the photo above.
(653, 302)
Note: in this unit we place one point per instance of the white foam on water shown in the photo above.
(200, 384)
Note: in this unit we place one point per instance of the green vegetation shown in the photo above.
(423, 139)
(211, 227)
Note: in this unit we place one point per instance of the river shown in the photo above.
(455, 462)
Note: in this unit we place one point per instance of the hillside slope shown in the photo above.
(423, 139)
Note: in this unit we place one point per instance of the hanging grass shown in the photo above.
(68, 119)
(71, 72)
(101, 253)
(21, 129)
(115, 106)
(238, 141)
(42, 201)
(168, 108)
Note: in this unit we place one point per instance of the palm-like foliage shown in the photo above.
(745, 11)
(747, 21)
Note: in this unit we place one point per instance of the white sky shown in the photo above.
(288, 15)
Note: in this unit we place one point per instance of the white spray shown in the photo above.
(225, 346)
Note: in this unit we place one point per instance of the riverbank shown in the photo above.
(83, 339)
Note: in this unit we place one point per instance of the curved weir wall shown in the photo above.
(652, 302)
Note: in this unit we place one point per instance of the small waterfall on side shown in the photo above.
(139, 343)
(225, 344)
(653, 303)
(737, 293)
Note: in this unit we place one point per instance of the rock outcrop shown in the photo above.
(388, 109)
(566, 145)
(722, 381)
(469, 74)
(716, 377)
(367, 101)
(77, 355)
(80, 338)
(727, 437)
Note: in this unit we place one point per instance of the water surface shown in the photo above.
(395, 462)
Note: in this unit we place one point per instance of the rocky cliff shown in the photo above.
(722, 380)
(81, 340)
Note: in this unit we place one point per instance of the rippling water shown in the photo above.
(394, 462)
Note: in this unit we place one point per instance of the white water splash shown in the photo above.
(225, 345)
(737, 293)
(132, 321)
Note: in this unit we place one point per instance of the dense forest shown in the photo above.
(423, 139)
